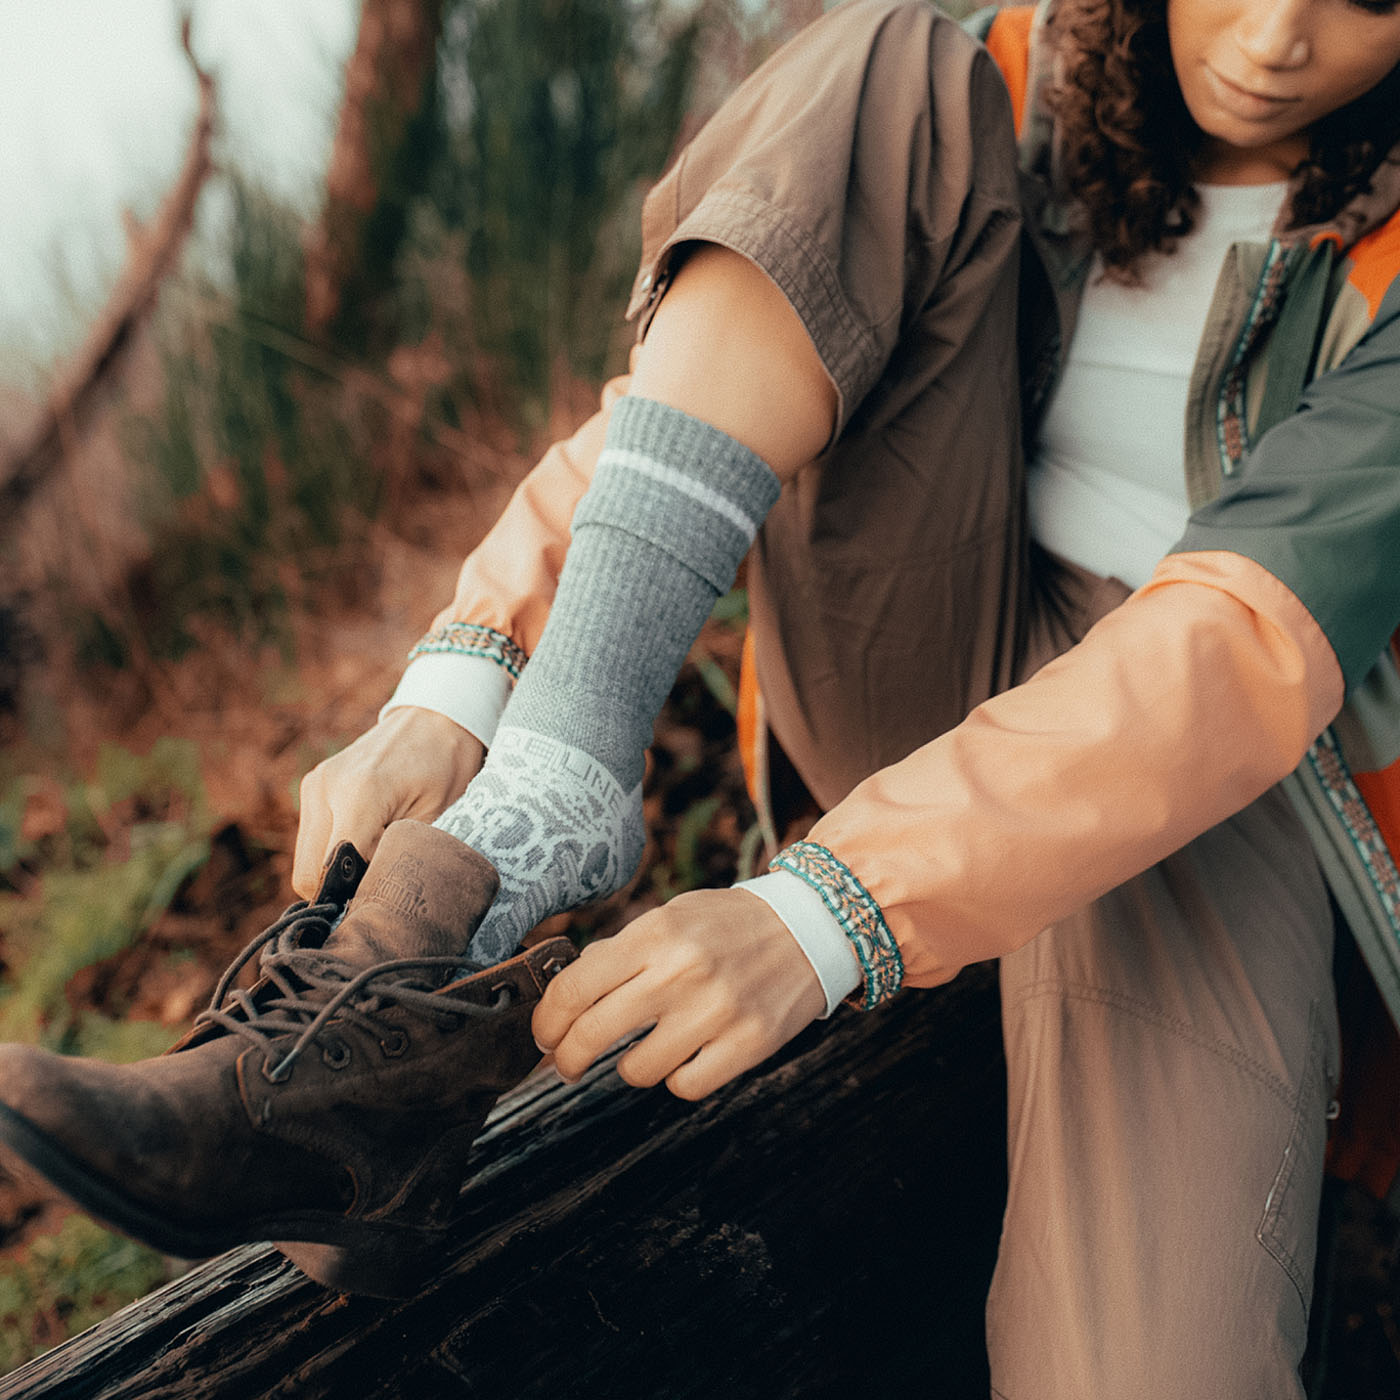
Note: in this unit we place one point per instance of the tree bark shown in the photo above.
(377, 160)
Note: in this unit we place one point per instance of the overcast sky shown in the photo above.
(96, 105)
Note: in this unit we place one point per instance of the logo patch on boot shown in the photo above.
(401, 889)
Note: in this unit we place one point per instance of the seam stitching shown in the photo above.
(1145, 1011)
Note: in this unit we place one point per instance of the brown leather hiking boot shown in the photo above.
(331, 1106)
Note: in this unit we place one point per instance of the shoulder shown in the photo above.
(1005, 29)
(1367, 301)
(894, 19)
(888, 51)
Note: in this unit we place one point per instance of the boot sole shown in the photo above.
(352, 1256)
(381, 1269)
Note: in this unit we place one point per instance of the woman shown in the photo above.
(1171, 1036)
(1067, 756)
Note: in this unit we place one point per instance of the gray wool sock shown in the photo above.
(671, 512)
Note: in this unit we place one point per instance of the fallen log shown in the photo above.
(825, 1226)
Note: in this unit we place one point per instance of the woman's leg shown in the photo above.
(1172, 1052)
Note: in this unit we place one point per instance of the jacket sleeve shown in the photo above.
(508, 581)
(1193, 697)
(1184, 704)
(1317, 501)
(466, 665)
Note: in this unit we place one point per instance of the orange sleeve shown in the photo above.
(508, 582)
(1197, 694)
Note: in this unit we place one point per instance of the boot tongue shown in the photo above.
(423, 896)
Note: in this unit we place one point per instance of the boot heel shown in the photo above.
(387, 1268)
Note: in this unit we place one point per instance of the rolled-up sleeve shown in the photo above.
(826, 169)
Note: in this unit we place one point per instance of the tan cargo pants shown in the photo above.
(1171, 1053)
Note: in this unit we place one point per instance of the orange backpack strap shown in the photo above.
(749, 721)
(1009, 43)
(752, 721)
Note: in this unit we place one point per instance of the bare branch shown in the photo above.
(152, 253)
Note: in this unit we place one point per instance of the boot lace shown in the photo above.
(302, 988)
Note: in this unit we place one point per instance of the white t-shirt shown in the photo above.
(1107, 483)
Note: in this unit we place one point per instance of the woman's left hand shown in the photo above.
(715, 973)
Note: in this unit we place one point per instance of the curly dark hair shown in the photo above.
(1130, 145)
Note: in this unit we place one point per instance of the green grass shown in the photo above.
(78, 889)
(95, 879)
(65, 1281)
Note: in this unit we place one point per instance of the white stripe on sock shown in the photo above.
(646, 466)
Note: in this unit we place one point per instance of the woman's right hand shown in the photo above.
(413, 763)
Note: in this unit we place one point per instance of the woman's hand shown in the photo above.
(717, 976)
(413, 763)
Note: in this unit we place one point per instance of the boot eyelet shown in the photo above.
(394, 1044)
(504, 994)
(279, 1073)
(335, 1054)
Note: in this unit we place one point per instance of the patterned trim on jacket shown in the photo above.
(1334, 775)
(1232, 422)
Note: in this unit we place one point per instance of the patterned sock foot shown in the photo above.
(558, 827)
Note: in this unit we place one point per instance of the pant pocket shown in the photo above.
(1288, 1229)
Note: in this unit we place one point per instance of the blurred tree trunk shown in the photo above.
(152, 253)
(384, 143)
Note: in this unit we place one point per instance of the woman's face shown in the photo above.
(1256, 74)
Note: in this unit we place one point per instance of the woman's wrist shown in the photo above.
(816, 930)
(470, 690)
